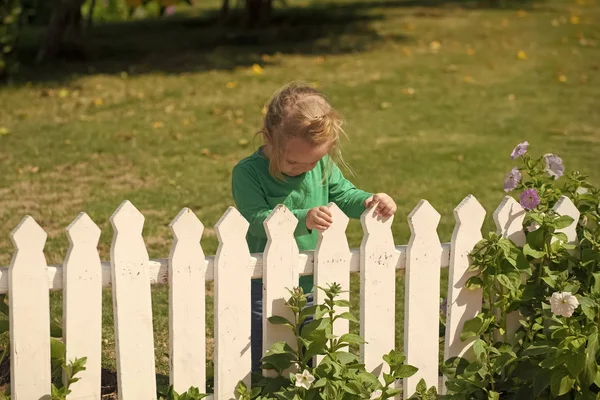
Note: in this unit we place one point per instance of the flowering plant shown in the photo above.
(339, 375)
(550, 285)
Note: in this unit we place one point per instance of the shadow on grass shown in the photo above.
(193, 44)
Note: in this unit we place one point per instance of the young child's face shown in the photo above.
(301, 156)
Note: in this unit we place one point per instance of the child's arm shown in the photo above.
(343, 193)
(251, 203)
(353, 201)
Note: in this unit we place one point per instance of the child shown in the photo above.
(295, 167)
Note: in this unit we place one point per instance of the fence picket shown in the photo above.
(509, 218)
(29, 314)
(332, 263)
(378, 258)
(82, 305)
(421, 316)
(187, 325)
(462, 304)
(232, 305)
(280, 275)
(564, 206)
(132, 306)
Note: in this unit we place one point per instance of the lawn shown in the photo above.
(435, 94)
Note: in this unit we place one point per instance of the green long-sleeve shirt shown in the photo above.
(256, 193)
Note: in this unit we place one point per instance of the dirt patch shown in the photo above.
(55, 197)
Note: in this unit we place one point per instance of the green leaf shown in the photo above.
(479, 349)
(529, 251)
(57, 349)
(405, 371)
(575, 362)
(348, 316)
(505, 281)
(493, 395)
(563, 222)
(351, 338)
(596, 287)
(422, 386)
(540, 382)
(473, 283)
(278, 320)
(341, 303)
(560, 382)
(474, 327)
(4, 326)
(588, 306)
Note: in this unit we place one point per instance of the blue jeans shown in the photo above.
(256, 336)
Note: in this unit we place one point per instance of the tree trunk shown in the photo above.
(225, 10)
(66, 17)
(258, 11)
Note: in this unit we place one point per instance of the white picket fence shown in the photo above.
(130, 273)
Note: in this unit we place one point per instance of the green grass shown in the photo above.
(160, 112)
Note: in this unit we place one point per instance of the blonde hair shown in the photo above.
(298, 110)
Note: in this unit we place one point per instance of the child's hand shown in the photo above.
(319, 218)
(386, 207)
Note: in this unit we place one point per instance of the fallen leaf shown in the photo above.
(314, 85)
(505, 22)
(521, 13)
(157, 125)
(186, 122)
(4, 131)
(435, 46)
(263, 110)
(98, 101)
(257, 69)
(512, 97)
(451, 68)
(62, 93)
(574, 19)
(471, 51)
(67, 142)
(206, 152)
(169, 109)
(319, 60)
(406, 51)
(408, 91)
(243, 142)
(521, 55)
(460, 157)
(468, 79)
(555, 23)
(562, 78)
(34, 169)
(385, 105)
(409, 26)
(239, 121)
(231, 85)
(124, 75)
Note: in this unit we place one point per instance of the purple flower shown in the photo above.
(170, 10)
(512, 179)
(530, 199)
(519, 150)
(554, 165)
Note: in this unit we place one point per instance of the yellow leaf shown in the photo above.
(505, 22)
(157, 125)
(169, 109)
(512, 97)
(239, 121)
(231, 85)
(243, 142)
(562, 78)
(314, 84)
(468, 79)
(98, 101)
(319, 60)
(406, 51)
(124, 75)
(521, 13)
(521, 55)
(67, 141)
(62, 93)
(471, 51)
(408, 91)
(257, 69)
(263, 110)
(435, 46)
(385, 105)
(205, 152)
(574, 19)
(555, 23)
(4, 131)
(186, 122)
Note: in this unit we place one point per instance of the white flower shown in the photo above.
(305, 379)
(376, 395)
(563, 304)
